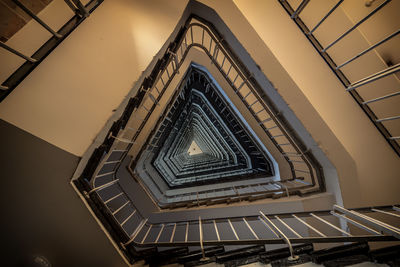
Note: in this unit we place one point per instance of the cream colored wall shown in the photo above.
(368, 33)
(368, 168)
(68, 98)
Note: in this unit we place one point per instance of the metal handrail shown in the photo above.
(172, 62)
(337, 68)
(81, 13)
(275, 230)
(122, 137)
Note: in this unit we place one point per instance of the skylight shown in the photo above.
(194, 149)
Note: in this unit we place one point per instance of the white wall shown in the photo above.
(68, 98)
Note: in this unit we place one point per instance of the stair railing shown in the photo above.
(355, 87)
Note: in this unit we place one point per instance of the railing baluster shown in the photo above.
(366, 228)
(387, 213)
(388, 119)
(104, 174)
(309, 226)
(136, 232)
(326, 16)
(288, 227)
(114, 197)
(153, 98)
(213, 58)
(127, 219)
(252, 104)
(300, 8)
(241, 85)
(185, 42)
(233, 229)
(268, 227)
(244, 98)
(201, 239)
(223, 62)
(234, 80)
(264, 121)
(191, 34)
(355, 26)
(145, 108)
(216, 230)
(181, 48)
(381, 226)
(270, 128)
(376, 76)
(369, 49)
(331, 225)
(123, 140)
(120, 208)
(229, 70)
(80, 8)
(187, 232)
(251, 229)
(281, 235)
(159, 234)
(111, 162)
(258, 112)
(103, 186)
(147, 233)
(32, 15)
(380, 98)
(173, 234)
(12, 50)
(301, 171)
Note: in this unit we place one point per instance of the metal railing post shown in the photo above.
(32, 15)
(300, 8)
(2, 87)
(325, 17)
(77, 7)
(204, 258)
(355, 26)
(381, 226)
(12, 50)
(292, 257)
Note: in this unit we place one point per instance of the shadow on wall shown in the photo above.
(41, 213)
